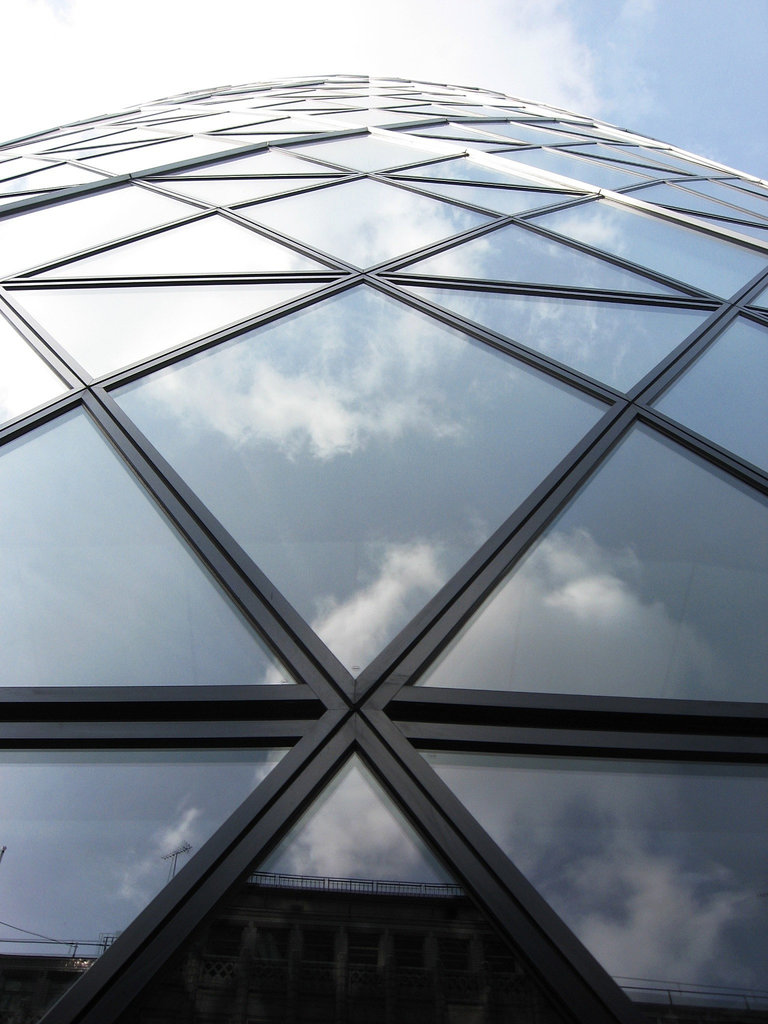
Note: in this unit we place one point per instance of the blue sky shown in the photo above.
(686, 71)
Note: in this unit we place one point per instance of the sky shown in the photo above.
(682, 71)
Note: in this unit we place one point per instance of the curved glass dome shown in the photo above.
(384, 489)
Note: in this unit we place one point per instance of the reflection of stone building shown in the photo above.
(30, 984)
(321, 950)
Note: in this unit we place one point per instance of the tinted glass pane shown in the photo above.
(617, 343)
(366, 154)
(25, 379)
(516, 254)
(364, 222)
(723, 395)
(106, 328)
(350, 919)
(213, 245)
(657, 867)
(360, 452)
(604, 176)
(97, 588)
(736, 196)
(653, 582)
(521, 132)
(224, 192)
(762, 299)
(683, 199)
(501, 200)
(275, 161)
(86, 844)
(695, 257)
(31, 239)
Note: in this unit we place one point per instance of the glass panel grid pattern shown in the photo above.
(333, 434)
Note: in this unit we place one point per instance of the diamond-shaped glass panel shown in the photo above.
(364, 222)
(615, 342)
(692, 256)
(368, 153)
(107, 328)
(516, 254)
(226, 191)
(464, 169)
(656, 866)
(653, 582)
(500, 200)
(97, 589)
(360, 452)
(723, 394)
(589, 171)
(211, 245)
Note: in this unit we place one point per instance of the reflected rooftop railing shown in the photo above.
(362, 886)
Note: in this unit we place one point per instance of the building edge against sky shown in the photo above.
(384, 476)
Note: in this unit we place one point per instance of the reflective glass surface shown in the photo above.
(157, 155)
(89, 838)
(275, 161)
(723, 394)
(364, 222)
(97, 588)
(106, 328)
(604, 176)
(212, 245)
(360, 452)
(351, 918)
(657, 867)
(761, 299)
(225, 191)
(25, 379)
(516, 254)
(637, 589)
(464, 169)
(45, 177)
(521, 132)
(617, 343)
(740, 197)
(500, 200)
(31, 239)
(368, 153)
(691, 256)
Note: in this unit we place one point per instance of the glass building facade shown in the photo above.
(384, 547)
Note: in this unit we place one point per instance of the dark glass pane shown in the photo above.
(106, 328)
(213, 245)
(31, 239)
(89, 838)
(26, 380)
(653, 582)
(615, 342)
(657, 867)
(516, 254)
(351, 919)
(364, 222)
(723, 395)
(695, 257)
(360, 452)
(97, 588)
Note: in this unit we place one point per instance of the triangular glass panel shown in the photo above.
(98, 589)
(360, 452)
(591, 173)
(107, 328)
(679, 252)
(464, 169)
(515, 254)
(352, 919)
(212, 245)
(26, 380)
(615, 342)
(500, 200)
(41, 236)
(159, 154)
(637, 589)
(273, 161)
(723, 394)
(226, 191)
(656, 866)
(364, 222)
(368, 153)
(89, 838)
